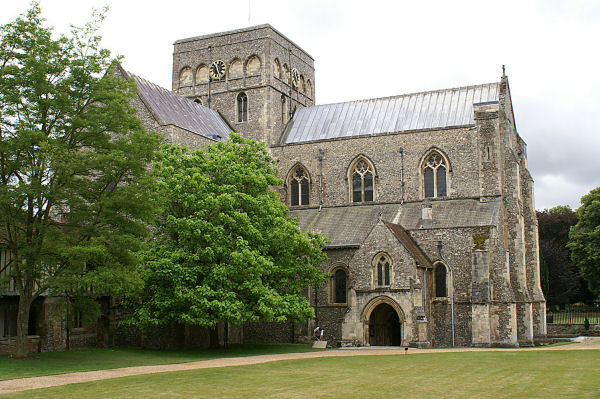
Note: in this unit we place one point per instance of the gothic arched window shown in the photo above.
(299, 187)
(434, 175)
(383, 270)
(242, 107)
(440, 280)
(361, 176)
(339, 286)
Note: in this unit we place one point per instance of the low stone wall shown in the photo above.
(7, 345)
(572, 330)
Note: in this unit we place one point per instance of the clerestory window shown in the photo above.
(434, 176)
(299, 187)
(362, 181)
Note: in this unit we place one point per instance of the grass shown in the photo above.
(531, 374)
(99, 359)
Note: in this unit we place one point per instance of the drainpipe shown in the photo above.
(452, 303)
(209, 78)
(321, 152)
(401, 150)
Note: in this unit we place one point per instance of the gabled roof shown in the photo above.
(170, 108)
(411, 246)
(426, 110)
(345, 226)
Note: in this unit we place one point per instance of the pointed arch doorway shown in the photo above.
(384, 326)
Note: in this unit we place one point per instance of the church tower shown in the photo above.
(254, 77)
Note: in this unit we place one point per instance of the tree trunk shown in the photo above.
(21, 345)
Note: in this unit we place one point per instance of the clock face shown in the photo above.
(217, 69)
(295, 77)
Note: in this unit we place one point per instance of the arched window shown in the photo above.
(309, 89)
(299, 186)
(434, 175)
(440, 280)
(361, 176)
(339, 288)
(276, 69)
(202, 74)
(253, 66)
(235, 69)
(185, 77)
(301, 87)
(383, 270)
(286, 74)
(284, 112)
(198, 100)
(242, 107)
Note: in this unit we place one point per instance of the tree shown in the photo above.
(563, 284)
(225, 248)
(75, 196)
(584, 240)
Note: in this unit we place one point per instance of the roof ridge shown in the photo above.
(404, 95)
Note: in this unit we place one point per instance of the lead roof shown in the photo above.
(418, 111)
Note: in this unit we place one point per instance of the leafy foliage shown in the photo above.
(584, 240)
(561, 280)
(75, 196)
(225, 248)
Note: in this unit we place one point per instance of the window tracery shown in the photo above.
(362, 181)
(434, 175)
(299, 186)
(383, 270)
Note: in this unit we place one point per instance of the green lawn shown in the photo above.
(99, 359)
(531, 374)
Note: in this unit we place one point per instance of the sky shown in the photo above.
(550, 49)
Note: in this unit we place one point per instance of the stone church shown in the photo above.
(425, 197)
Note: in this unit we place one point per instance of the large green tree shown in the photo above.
(584, 240)
(561, 279)
(75, 194)
(225, 248)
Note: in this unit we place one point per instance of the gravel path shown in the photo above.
(22, 384)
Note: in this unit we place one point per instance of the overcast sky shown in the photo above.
(550, 48)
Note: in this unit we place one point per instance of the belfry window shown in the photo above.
(299, 187)
(242, 107)
(434, 176)
(362, 181)
(339, 286)
(383, 270)
(440, 280)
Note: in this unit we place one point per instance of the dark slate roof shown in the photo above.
(345, 225)
(348, 226)
(425, 110)
(411, 246)
(448, 214)
(173, 109)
